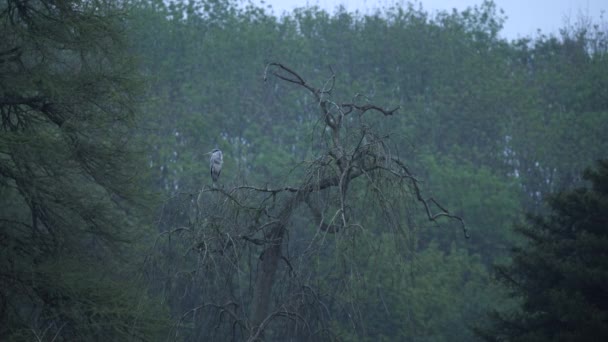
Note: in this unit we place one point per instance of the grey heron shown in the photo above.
(215, 162)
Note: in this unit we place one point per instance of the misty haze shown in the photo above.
(210, 171)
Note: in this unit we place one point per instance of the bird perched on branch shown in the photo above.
(215, 162)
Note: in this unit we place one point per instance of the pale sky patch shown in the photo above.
(525, 17)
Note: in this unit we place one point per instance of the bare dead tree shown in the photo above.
(242, 234)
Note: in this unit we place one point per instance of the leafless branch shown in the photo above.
(348, 108)
(292, 77)
(259, 331)
(222, 309)
(330, 228)
(426, 202)
(273, 191)
(260, 218)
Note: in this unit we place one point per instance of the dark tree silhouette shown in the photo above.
(560, 274)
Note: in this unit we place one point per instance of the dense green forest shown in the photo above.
(388, 176)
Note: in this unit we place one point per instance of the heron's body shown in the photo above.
(216, 161)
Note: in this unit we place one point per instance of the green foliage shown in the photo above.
(71, 198)
(427, 296)
(489, 127)
(489, 203)
(561, 130)
(560, 274)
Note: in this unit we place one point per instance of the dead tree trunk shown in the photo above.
(268, 265)
(267, 268)
(350, 153)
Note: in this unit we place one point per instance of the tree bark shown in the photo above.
(268, 265)
(267, 268)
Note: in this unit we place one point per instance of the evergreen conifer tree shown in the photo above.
(68, 186)
(560, 275)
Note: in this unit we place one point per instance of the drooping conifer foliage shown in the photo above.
(68, 187)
